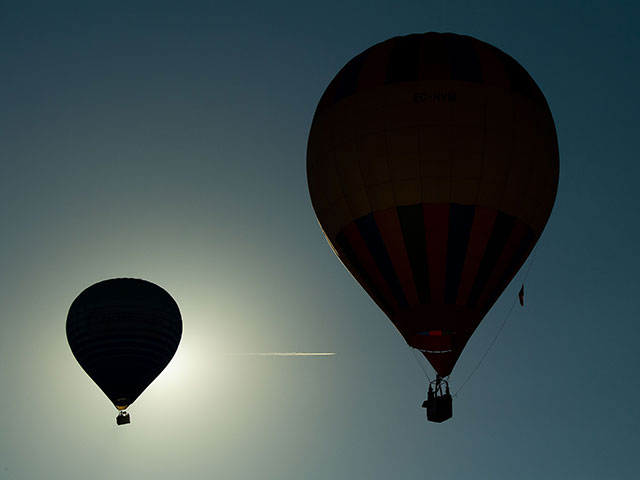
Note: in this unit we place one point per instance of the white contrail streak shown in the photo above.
(282, 354)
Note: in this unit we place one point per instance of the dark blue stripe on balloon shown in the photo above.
(403, 62)
(347, 80)
(463, 60)
(460, 222)
(371, 234)
(520, 80)
(344, 84)
(344, 248)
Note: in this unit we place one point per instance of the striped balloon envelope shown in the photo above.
(432, 165)
(123, 332)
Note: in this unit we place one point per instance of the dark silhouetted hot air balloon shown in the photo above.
(432, 166)
(123, 332)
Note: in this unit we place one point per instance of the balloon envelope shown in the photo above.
(123, 332)
(432, 165)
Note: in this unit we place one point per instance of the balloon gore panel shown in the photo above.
(123, 332)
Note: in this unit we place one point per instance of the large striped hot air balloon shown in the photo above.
(432, 166)
(123, 333)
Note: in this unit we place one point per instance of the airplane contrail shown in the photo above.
(282, 354)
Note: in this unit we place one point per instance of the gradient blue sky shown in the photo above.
(167, 141)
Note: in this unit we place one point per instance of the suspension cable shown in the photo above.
(504, 322)
(513, 304)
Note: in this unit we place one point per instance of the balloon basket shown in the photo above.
(123, 418)
(439, 403)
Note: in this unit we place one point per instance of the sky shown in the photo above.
(167, 141)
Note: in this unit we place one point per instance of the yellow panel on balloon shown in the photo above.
(407, 192)
(436, 190)
(381, 196)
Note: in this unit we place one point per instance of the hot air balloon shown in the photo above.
(123, 332)
(432, 166)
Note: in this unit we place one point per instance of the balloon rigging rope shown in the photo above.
(504, 322)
